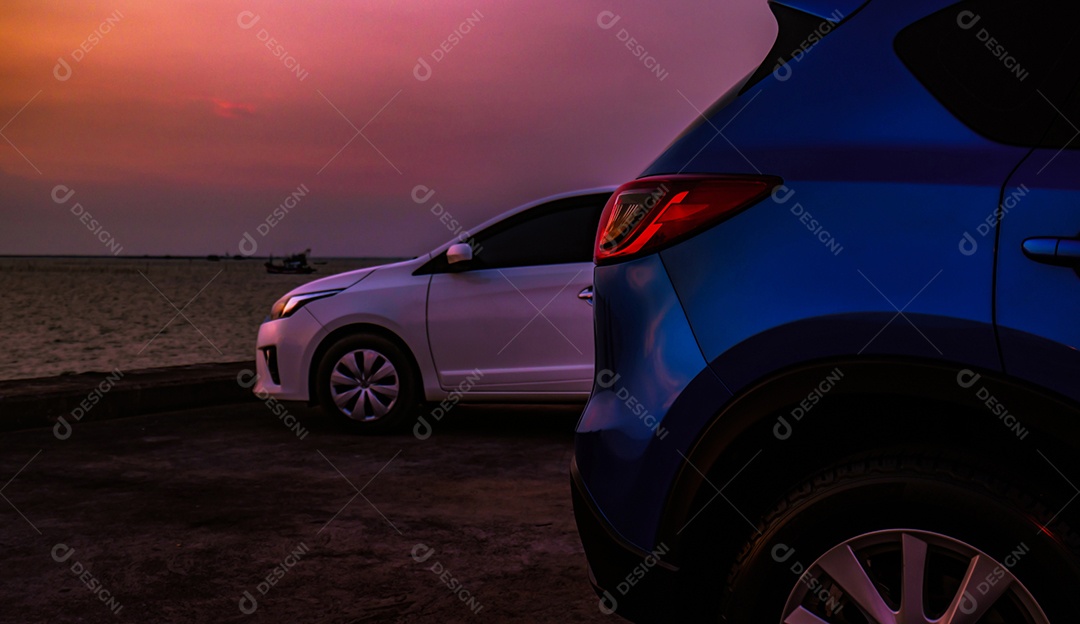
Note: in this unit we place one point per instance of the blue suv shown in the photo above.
(838, 333)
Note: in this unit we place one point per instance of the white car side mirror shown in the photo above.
(459, 252)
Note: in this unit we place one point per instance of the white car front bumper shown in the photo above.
(288, 344)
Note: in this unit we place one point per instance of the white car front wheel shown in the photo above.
(367, 383)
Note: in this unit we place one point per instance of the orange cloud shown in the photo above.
(233, 110)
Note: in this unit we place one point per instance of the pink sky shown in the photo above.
(178, 129)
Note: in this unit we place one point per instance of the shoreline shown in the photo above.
(94, 396)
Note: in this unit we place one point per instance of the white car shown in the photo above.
(505, 316)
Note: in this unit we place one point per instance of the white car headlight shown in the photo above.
(289, 304)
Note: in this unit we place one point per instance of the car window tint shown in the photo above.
(1000, 66)
(796, 32)
(555, 233)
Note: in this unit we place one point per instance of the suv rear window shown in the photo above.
(1000, 66)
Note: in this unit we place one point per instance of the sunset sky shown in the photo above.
(178, 129)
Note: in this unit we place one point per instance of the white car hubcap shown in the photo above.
(364, 385)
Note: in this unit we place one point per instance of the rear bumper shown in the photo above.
(637, 585)
(653, 393)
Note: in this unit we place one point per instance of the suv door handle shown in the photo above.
(1055, 251)
(586, 295)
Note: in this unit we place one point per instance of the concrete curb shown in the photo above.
(28, 403)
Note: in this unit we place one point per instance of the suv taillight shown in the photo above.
(651, 213)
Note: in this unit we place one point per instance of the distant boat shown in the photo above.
(295, 264)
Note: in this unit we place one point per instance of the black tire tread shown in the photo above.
(921, 466)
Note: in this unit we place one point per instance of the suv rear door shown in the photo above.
(1038, 265)
(1007, 70)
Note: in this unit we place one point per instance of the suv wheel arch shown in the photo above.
(913, 397)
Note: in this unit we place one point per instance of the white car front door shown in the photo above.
(511, 319)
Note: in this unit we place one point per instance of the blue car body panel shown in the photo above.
(832, 10)
(649, 365)
(837, 303)
(875, 212)
(891, 259)
(1038, 303)
(879, 124)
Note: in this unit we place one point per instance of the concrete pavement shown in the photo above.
(224, 514)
